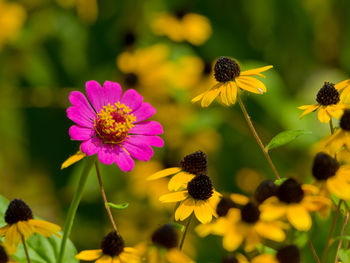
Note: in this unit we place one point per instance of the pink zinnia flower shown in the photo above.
(114, 126)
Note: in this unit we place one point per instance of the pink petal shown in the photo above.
(107, 154)
(91, 146)
(79, 117)
(141, 152)
(155, 141)
(81, 133)
(144, 112)
(79, 100)
(124, 160)
(112, 92)
(95, 94)
(132, 99)
(147, 128)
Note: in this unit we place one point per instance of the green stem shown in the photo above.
(313, 251)
(331, 126)
(25, 249)
(74, 205)
(185, 232)
(325, 252)
(256, 136)
(342, 234)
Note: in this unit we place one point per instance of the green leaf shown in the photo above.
(344, 255)
(118, 206)
(41, 249)
(284, 138)
(278, 182)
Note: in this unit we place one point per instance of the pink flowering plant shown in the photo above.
(113, 125)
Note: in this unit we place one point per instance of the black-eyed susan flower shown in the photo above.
(230, 79)
(286, 254)
(334, 176)
(245, 226)
(21, 225)
(328, 103)
(182, 26)
(192, 164)
(238, 258)
(295, 202)
(112, 250)
(164, 247)
(341, 138)
(265, 189)
(198, 197)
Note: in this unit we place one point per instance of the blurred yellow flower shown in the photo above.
(87, 9)
(190, 27)
(12, 17)
(329, 102)
(230, 79)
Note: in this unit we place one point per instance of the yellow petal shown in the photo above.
(270, 231)
(117, 260)
(73, 159)
(341, 85)
(335, 110)
(25, 229)
(89, 254)
(336, 141)
(174, 197)
(224, 95)
(308, 109)
(209, 96)
(323, 115)
(129, 257)
(13, 236)
(185, 209)
(176, 256)
(104, 259)
(299, 217)
(45, 228)
(164, 173)
(203, 212)
(251, 241)
(197, 98)
(251, 84)
(204, 229)
(3, 230)
(339, 187)
(232, 240)
(272, 211)
(239, 199)
(266, 258)
(179, 180)
(256, 71)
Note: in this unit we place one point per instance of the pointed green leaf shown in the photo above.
(118, 206)
(284, 138)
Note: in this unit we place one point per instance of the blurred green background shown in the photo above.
(49, 48)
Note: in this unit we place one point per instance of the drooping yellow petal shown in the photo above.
(335, 110)
(104, 259)
(129, 256)
(3, 230)
(336, 141)
(239, 199)
(272, 211)
(203, 212)
(116, 259)
(299, 217)
(256, 71)
(323, 115)
(341, 85)
(164, 173)
(234, 91)
(232, 240)
(179, 180)
(25, 229)
(270, 231)
(176, 256)
(307, 109)
(209, 96)
(251, 241)
(89, 254)
(251, 84)
(224, 95)
(45, 228)
(198, 98)
(265, 258)
(73, 159)
(185, 209)
(339, 187)
(13, 236)
(174, 197)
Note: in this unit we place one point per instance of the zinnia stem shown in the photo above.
(331, 126)
(25, 249)
(74, 206)
(256, 135)
(185, 232)
(325, 252)
(342, 234)
(105, 197)
(313, 251)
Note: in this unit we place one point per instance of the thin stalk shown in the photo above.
(342, 234)
(325, 252)
(256, 135)
(74, 206)
(185, 232)
(105, 197)
(313, 251)
(331, 126)
(25, 249)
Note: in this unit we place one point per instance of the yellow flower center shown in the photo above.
(114, 122)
